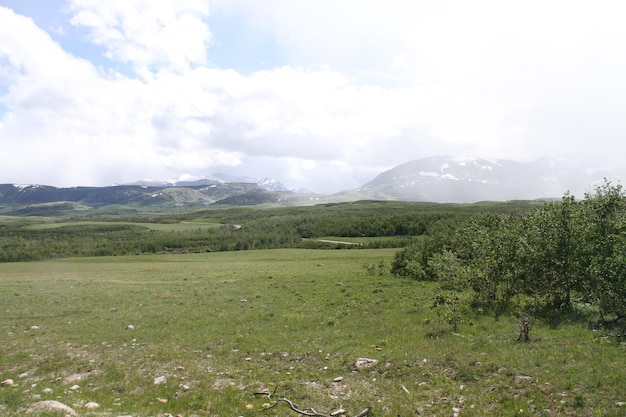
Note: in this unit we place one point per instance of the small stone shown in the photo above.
(620, 403)
(249, 406)
(7, 382)
(130, 327)
(23, 375)
(74, 388)
(92, 405)
(35, 327)
(502, 370)
(162, 400)
(47, 391)
(338, 379)
(159, 380)
(523, 378)
(365, 363)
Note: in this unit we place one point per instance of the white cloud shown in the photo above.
(148, 34)
(368, 85)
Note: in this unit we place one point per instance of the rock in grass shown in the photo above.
(7, 382)
(159, 380)
(51, 406)
(92, 405)
(362, 363)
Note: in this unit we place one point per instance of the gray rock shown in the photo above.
(51, 406)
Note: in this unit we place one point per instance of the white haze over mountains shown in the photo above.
(320, 94)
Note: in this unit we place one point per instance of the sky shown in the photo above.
(317, 94)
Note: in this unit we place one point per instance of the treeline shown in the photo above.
(544, 260)
(396, 223)
(113, 240)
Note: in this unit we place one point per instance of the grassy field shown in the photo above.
(221, 326)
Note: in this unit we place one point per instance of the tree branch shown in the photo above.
(308, 412)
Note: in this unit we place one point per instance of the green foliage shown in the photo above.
(535, 261)
(412, 260)
(451, 307)
(605, 249)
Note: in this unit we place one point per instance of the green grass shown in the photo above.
(307, 316)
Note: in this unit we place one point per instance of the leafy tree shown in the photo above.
(412, 261)
(605, 250)
(551, 252)
(488, 247)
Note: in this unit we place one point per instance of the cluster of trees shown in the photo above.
(544, 259)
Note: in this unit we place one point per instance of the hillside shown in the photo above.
(469, 179)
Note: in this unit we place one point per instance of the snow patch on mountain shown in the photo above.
(271, 184)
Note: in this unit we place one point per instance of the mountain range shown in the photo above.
(449, 179)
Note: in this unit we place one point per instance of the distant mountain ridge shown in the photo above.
(438, 179)
(266, 183)
(470, 179)
(48, 200)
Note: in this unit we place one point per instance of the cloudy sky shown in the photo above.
(322, 94)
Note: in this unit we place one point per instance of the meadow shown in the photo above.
(200, 334)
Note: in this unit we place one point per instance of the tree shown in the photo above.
(604, 252)
(449, 297)
(551, 252)
(488, 247)
(412, 261)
